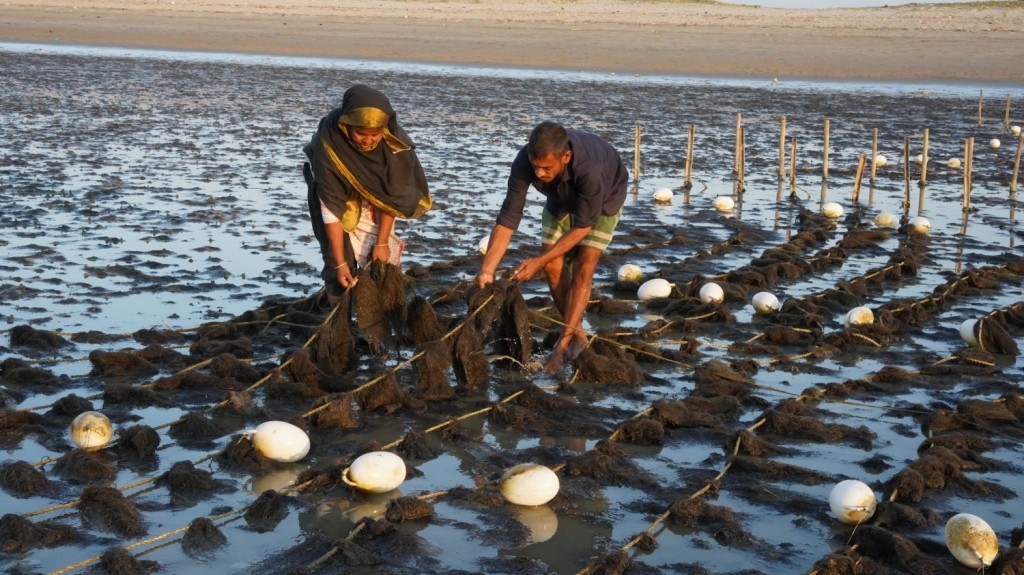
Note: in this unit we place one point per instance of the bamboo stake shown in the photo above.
(968, 168)
(736, 148)
(967, 171)
(740, 183)
(856, 181)
(924, 160)
(1016, 163)
(981, 98)
(824, 152)
(1006, 115)
(874, 154)
(781, 147)
(687, 182)
(636, 154)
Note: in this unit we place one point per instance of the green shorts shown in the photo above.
(599, 237)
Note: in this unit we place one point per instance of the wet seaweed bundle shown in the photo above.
(241, 454)
(485, 304)
(120, 364)
(370, 312)
(267, 511)
(303, 377)
(21, 479)
(716, 378)
(938, 468)
(468, 360)
(119, 561)
(695, 411)
(422, 322)
(18, 534)
(202, 536)
(606, 362)
(512, 338)
(401, 509)
(336, 347)
(383, 395)
(336, 412)
(80, 466)
(35, 342)
(196, 427)
(108, 509)
(137, 442)
(183, 479)
(432, 383)
(392, 286)
(608, 463)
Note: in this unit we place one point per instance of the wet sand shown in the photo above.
(918, 43)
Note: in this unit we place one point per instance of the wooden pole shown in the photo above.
(1016, 163)
(824, 153)
(924, 159)
(1006, 115)
(743, 160)
(874, 154)
(967, 176)
(687, 182)
(856, 180)
(981, 98)
(781, 147)
(636, 154)
(736, 148)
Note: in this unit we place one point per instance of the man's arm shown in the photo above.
(497, 245)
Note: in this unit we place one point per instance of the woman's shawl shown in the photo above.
(390, 176)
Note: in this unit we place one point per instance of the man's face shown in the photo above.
(365, 139)
(549, 167)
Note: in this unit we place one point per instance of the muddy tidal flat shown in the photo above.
(157, 265)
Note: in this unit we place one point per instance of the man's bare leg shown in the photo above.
(579, 288)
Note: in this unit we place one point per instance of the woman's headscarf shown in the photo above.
(390, 176)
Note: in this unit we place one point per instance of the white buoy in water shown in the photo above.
(630, 273)
(91, 430)
(832, 209)
(971, 540)
(280, 441)
(852, 501)
(663, 195)
(994, 143)
(967, 332)
(860, 315)
(920, 224)
(880, 160)
(723, 203)
(954, 163)
(651, 289)
(711, 293)
(886, 220)
(529, 484)
(919, 159)
(1015, 130)
(375, 472)
(765, 303)
(483, 244)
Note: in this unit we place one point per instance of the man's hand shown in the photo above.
(484, 279)
(528, 269)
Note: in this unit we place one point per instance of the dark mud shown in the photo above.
(154, 221)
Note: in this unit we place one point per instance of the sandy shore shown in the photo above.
(958, 43)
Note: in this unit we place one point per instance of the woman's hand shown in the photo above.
(382, 252)
(345, 276)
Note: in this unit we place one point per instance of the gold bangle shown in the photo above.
(343, 264)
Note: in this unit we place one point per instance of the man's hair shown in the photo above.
(547, 138)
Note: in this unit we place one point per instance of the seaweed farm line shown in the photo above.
(159, 268)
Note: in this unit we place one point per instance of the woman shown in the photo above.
(362, 173)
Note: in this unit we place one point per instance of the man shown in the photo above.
(585, 181)
(362, 173)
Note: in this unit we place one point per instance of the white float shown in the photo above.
(1015, 130)
(860, 315)
(663, 195)
(920, 224)
(971, 540)
(967, 332)
(630, 273)
(886, 220)
(919, 159)
(654, 288)
(529, 484)
(375, 472)
(711, 293)
(994, 143)
(91, 430)
(852, 501)
(880, 160)
(280, 441)
(832, 209)
(954, 163)
(765, 303)
(723, 203)
(483, 244)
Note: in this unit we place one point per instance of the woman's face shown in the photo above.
(365, 139)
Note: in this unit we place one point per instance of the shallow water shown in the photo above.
(164, 190)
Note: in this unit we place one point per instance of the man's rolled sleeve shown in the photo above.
(519, 180)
